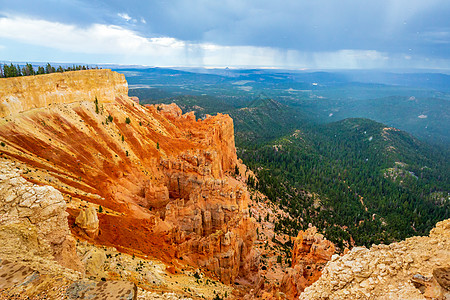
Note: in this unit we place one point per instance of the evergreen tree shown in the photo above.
(30, 70)
(10, 71)
(48, 69)
(18, 73)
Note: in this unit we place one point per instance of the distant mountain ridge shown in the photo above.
(417, 102)
(365, 174)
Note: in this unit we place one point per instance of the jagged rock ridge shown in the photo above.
(162, 178)
(310, 253)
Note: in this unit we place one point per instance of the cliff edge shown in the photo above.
(159, 179)
(20, 94)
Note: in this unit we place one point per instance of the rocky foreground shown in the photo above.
(417, 268)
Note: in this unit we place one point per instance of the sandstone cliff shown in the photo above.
(163, 179)
(417, 268)
(153, 182)
(24, 93)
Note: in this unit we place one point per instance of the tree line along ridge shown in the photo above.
(12, 70)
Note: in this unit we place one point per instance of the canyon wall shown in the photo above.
(20, 94)
(158, 179)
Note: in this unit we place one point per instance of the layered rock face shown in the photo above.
(309, 255)
(24, 93)
(417, 268)
(163, 179)
(33, 220)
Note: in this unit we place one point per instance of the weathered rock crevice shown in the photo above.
(33, 220)
(310, 253)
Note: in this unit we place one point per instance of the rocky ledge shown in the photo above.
(417, 268)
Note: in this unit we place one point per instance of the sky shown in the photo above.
(291, 34)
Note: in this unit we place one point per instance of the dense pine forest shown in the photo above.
(359, 181)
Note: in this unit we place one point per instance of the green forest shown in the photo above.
(359, 181)
(370, 185)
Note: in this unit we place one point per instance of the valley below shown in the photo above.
(104, 194)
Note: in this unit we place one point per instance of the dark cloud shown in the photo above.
(395, 27)
(392, 26)
(71, 12)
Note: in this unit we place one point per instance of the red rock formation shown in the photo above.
(163, 178)
(309, 255)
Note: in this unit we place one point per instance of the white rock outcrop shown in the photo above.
(33, 219)
(412, 269)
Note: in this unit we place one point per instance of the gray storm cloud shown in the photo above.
(334, 34)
